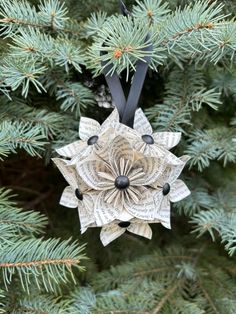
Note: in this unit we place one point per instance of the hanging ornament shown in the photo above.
(117, 187)
(121, 175)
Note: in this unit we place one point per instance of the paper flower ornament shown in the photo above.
(77, 194)
(121, 174)
(92, 136)
(122, 180)
(115, 229)
(117, 181)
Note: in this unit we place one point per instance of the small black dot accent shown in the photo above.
(122, 182)
(92, 140)
(166, 189)
(148, 139)
(78, 194)
(124, 224)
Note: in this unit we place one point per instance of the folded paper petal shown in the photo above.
(167, 139)
(120, 148)
(68, 198)
(178, 191)
(85, 209)
(125, 216)
(67, 171)
(171, 159)
(72, 149)
(110, 233)
(171, 172)
(111, 121)
(153, 168)
(144, 209)
(88, 128)
(176, 170)
(89, 172)
(103, 211)
(129, 134)
(141, 229)
(163, 214)
(141, 123)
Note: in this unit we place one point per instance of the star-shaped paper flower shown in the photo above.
(154, 144)
(115, 229)
(168, 188)
(123, 182)
(77, 194)
(93, 137)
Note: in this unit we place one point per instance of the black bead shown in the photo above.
(166, 189)
(148, 139)
(78, 194)
(122, 182)
(92, 140)
(124, 224)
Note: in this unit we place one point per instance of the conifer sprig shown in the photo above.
(41, 262)
(182, 280)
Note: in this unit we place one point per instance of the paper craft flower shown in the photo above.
(115, 229)
(122, 181)
(77, 194)
(153, 144)
(168, 188)
(93, 137)
(122, 178)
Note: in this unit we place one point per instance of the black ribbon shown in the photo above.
(127, 108)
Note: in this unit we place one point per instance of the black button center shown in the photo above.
(92, 140)
(78, 194)
(122, 182)
(124, 224)
(166, 189)
(148, 139)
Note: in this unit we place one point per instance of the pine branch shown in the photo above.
(213, 144)
(17, 219)
(18, 135)
(153, 12)
(40, 304)
(185, 91)
(49, 16)
(118, 275)
(83, 300)
(2, 296)
(208, 298)
(122, 39)
(199, 199)
(51, 124)
(20, 72)
(75, 97)
(32, 43)
(165, 299)
(43, 262)
(95, 23)
(196, 287)
(196, 32)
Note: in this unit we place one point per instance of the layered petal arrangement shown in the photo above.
(121, 178)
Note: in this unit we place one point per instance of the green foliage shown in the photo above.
(52, 54)
(21, 222)
(185, 91)
(40, 304)
(42, 262)
(175, 280)
(211, 144)
(19, 135)
(37, 262)
(75, 97)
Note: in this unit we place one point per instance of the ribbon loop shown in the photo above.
(127, 108)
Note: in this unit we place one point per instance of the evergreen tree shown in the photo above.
(51, 73)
